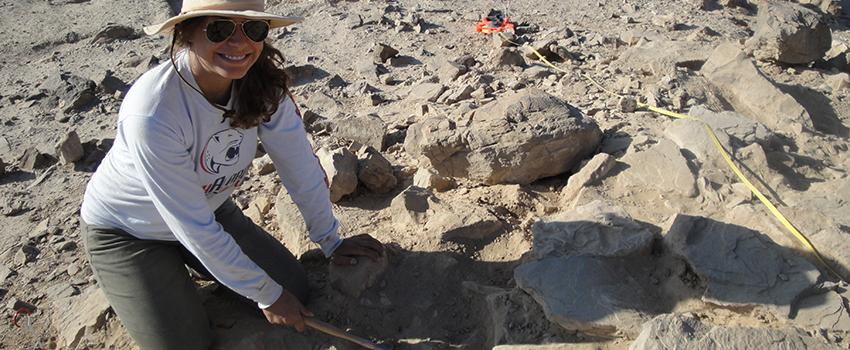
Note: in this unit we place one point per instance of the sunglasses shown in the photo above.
(221, 29)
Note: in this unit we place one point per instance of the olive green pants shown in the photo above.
(149, 287)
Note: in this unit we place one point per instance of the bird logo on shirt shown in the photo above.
(222, 149)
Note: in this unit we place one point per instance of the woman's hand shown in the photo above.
(362, 245)
(287, 311)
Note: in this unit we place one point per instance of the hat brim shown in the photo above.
(275, 21)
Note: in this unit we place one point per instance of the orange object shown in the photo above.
(490, 26)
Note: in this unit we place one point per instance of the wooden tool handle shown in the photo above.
(339, 333)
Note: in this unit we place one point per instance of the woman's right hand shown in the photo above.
(287, 311)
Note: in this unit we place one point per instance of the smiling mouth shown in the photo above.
(229, 58)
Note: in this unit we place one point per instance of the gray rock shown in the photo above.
(353, 280)
(557, 346)
(592, 172)
(340, 166)
(70, 149)
(517, 139)
(25, 254)
(589, 294)
(838, 82)
(661, 167)
(263, 165)
(662, 57)
(448, 71)
(304, 74)
(508, 56)
(426, 92)
(75, 93)
(671, 331)
(740, 266)
(5, 272)
(751, 93)
(458, 94)
(595, 229)
(789, 33)
(113, 32)
(369, 130)
(78, 316)
(2, 167)
(627, 104)
(826, 310)
(839, 56)
(32, 159)
(383, 52)
(375, 172)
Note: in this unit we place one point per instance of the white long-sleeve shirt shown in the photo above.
(174, 161)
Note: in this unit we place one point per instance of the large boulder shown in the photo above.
(740, 267)
(672, 331)
(789, 33)
(517, 139)
(596, 229)
(751, 93)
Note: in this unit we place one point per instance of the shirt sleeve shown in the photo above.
(166, 169)
(285, 140)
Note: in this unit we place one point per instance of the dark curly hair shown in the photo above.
(259, 92)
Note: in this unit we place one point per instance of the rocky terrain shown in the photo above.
(524, 206)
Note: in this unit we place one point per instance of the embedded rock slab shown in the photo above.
(671, 331)
(661, 167)
(596, 229)
(751, 93)
(293, 228)
(592, 172)
(516, 139)
(78, 315)
(451, 221)
(741, 267)
(662, 57)
(594, 295)
(789, 33)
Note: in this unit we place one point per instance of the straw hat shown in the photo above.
(224, 8)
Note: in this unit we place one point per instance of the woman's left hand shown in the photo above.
(362, 245)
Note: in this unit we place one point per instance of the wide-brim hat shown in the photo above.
(254, 9)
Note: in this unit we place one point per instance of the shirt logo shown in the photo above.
(222, 149)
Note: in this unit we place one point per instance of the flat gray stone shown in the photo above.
(672, 331)
(661, 167)
(594, 295)
(595, 229)
(741, 267)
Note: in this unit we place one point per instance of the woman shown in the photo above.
(160, 200)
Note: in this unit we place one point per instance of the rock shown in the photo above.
(741, 267)
(355, 279)
(263, 165)
(61, 290)
(375, 172)
(416, 206)
(741, 131)
(33, 159)
(340, 167)
(826, 310)
(838, 82)
(661, 167)
(75, 93)
(79, 316)
(70, 149)
(448, 71)
(662, 57)
(293, 230)
(25, 254)
(508, 56)
(383, 52)
(113, 32)
(369, 130)
(595, 169)
(676, 331)
(336, 82)
(594, 229)
(839, 56)
(2, 167)
(426, 92)
(517, 139)
(428, 178)
(367, 69)
(751, 93)
(304, 74)
(5, 272)
(608, 300)
(458, 94)
(627, 104)
(110, 84)
(790, 33)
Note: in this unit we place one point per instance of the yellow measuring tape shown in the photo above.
(772, 208)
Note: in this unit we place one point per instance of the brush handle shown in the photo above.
(339, 333)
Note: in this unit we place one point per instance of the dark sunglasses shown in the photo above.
(221, 29)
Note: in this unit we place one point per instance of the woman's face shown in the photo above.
(229, 59)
